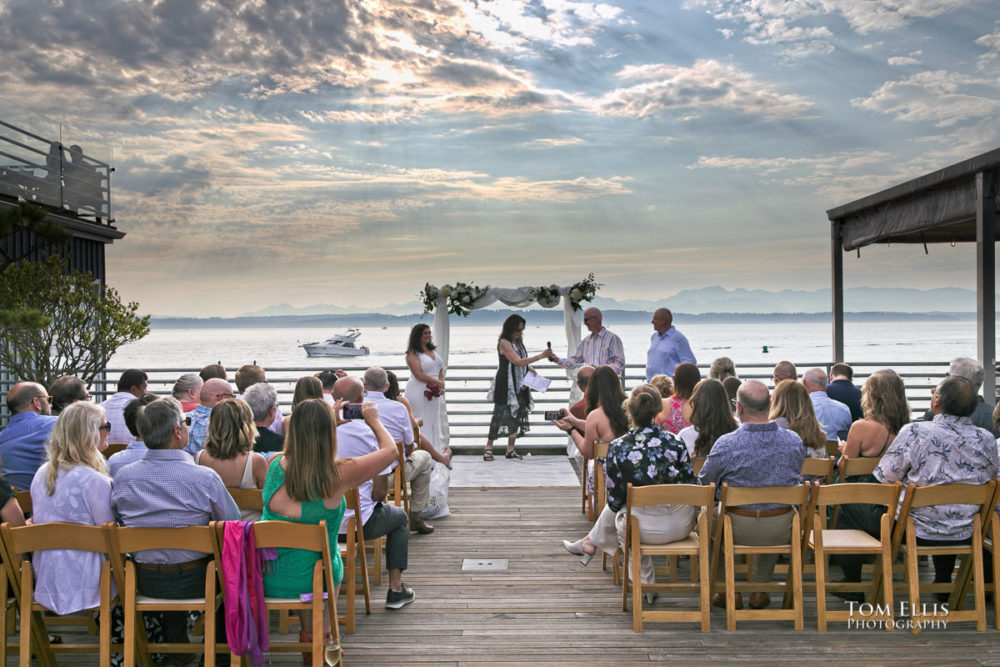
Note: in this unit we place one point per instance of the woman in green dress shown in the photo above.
(306, 484)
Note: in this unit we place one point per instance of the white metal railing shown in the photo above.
(469, 412)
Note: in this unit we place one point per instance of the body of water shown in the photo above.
(800, 342)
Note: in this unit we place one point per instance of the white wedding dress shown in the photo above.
(429, 411)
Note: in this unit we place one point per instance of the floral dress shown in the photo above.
(675, 421)
(643, 457)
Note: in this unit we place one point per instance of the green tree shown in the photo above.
(46, 236)
(82, 324)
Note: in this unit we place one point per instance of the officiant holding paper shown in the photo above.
(511, 396)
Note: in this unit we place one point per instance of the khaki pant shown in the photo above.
(761, 532)
(658, 524)
(418, 473)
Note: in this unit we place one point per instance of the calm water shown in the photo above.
(805, 342)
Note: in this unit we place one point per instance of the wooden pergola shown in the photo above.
(957, 204)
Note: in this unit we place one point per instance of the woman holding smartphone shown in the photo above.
(511, 398)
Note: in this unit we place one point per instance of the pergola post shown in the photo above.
(986, 212)
(837, 290)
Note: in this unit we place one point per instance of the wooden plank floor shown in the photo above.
(548, 609)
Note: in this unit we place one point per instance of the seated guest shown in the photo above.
(166, 489)
(949, 450)
(229, 450)
(645, 455)
(22, 443)
(136, 448)
(393, 394)
(10, 509)
(72, 486)
(758, 453)
(247, 376)
(673, 417)
(65, 390)
(883, 400)
(263, 402)
(213, 392)
(606, 418)
(396, 420)
(722, 368)
(327, 379)
(833, 416)
(792, 409)
(784, 370)
(131, 385)
(307, 388)
(579, 409)
(665, 385)
(972, 370)
(841, 388)
(213, 371)
(710, 418)
(358, 438)
(732, 385)
(187, 390)
(306, 484)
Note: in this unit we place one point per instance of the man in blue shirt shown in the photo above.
(667, 346)
(833, 416)
(22, 443)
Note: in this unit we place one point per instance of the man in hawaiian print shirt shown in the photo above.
(948, 450)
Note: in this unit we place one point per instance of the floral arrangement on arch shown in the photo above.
(461, 296)
(547, 297)
(585, 290)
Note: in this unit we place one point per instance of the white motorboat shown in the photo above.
(337, 345)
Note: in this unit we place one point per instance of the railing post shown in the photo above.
(986, 212)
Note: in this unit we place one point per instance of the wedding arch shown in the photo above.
(461, 298)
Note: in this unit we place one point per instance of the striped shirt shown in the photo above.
(598, 349)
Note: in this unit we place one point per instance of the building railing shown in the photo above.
(469, 412)
(40, 164)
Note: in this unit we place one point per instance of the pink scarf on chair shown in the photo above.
(243, 585)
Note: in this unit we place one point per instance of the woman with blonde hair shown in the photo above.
(229, 449)
(645, 455)
(73, 485)
(883, 401)
(306, 484)
(722, 368)
(792, 409)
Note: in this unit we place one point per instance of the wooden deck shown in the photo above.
(548, 609)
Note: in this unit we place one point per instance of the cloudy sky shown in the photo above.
(347, 151)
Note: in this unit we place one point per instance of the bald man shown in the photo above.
(667, 347)
(213, 392)
(22, 443)
(600, 348)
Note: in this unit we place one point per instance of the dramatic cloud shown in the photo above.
(941, 97)
(708, 84)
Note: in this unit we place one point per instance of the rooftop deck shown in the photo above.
(547, 609)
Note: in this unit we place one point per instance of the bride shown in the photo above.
(426, 383)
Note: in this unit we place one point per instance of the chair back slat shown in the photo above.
(601, 449)
(291, 535)
(784, 495)
(671, 494)
(850, 467)
(950, 494)
(188, 538)
(114, 448)
(697, 463)
(872, 494)
(55, 535)
(24, 500)
(816, 467)
(247, 499)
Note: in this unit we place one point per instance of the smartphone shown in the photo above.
(551, 415)
(352, 411)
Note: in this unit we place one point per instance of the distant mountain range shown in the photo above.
(715, 299)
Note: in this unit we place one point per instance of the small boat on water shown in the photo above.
(337, 345)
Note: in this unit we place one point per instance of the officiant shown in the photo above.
(511, 397)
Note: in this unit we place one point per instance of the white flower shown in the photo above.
(575, 294)
(446, 291)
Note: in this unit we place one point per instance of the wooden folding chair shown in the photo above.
(127, 540)
(991, 535)
(821, 468)
(729, 497)
(19, 574)
(905, 538)
(697, 462)
(353, 554)
(832, 541)
(696, 545)
(114, 448)
(309, 537)
(399, 493)
(859, 465)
